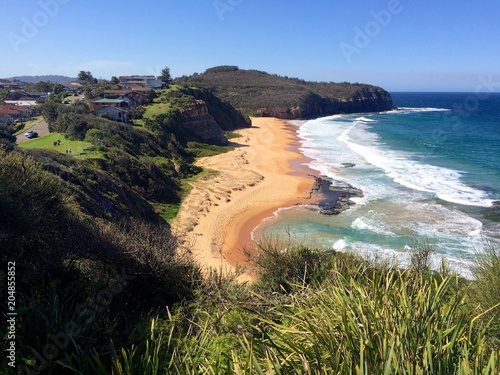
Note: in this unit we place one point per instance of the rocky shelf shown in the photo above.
(333, 196)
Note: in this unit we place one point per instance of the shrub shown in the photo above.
(283, 265)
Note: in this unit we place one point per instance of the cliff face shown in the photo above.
(199, 122)
(257, 93)
(228, 117)
(371, 99)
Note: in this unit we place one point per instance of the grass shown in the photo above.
(232, 135)
(46, 142)
(167, 211)
(156, 108)
(200, 150)
(368, 321)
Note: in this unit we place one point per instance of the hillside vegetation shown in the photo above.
(259, 93)
(103, 286)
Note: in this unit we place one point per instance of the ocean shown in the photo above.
(429, 171)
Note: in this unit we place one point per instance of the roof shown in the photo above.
(8, 110)
(108, 101)
(125, 91)
(21, 103)
(109, 107)
(136, 77)
(11, 108)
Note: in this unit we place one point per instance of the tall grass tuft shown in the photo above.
(358, 318)
(485, 289)
(381, 325)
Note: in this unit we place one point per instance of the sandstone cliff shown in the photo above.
(369, 99)
(258, 93)
(198, 121)
(228, 117)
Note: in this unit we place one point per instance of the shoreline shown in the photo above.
(297, 168)
(265, 172)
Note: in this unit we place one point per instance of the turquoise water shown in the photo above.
(429, 170)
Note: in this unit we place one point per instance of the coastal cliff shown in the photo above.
(199, 122)
(258, 93)
(193, 115)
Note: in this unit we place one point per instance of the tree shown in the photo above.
(40, 86)
(115, 81)
(58, 88)
(7, 138)
(85, 76)
(165, 76)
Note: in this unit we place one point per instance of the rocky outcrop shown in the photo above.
(370, 99)
(258, 93)
(333, 197)
(228, 117)
(199, 122)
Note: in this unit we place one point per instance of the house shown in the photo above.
(72, 86)
(23, 101)
(140, 97)
(150, 82)
(38, 95)
(108, 102)
(9, 113)
(113, 113)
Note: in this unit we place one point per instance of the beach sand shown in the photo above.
(239, 189)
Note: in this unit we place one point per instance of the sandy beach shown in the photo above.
(239, 189)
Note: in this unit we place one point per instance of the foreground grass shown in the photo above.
(357, 318)
(377, 325)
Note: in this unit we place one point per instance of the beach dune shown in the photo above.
(240, 188)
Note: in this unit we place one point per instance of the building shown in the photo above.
(10, 113)
(113, 113)
(122, 103)
(150, 82)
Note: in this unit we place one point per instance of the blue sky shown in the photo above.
(401, 45)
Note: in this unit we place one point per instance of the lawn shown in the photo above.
(46, 142)
(156, 109)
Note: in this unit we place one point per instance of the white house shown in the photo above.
(113, 113)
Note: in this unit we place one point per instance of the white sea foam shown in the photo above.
(443, 182)
(399, 195)
(340, 245)
(404, 110)
(365, 119)
(371, 225)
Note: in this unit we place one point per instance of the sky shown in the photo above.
(400, 45)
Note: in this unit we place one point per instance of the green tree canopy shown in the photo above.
(40, 86)
(58, 88)
(165, 76)
(85, 76)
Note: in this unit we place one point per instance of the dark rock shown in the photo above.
(333, 196)
(348, 165)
